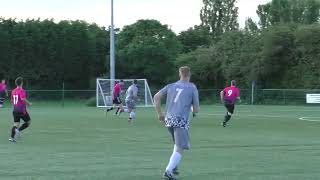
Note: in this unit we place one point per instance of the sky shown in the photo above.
(178, 14)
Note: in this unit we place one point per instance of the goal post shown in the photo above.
(104, 92)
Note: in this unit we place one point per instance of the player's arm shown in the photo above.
(195, 102)
(135, 95)
(222, 96)
(195, 109)
(157, 102)
(27, 101)
(238, 97)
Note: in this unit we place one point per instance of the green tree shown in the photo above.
(219, 16)
(48, 53)
(195, 37)
(206, 67)
(305, 73)
(239, 53)
(278, 55)
(147, 49)
(251, 26)
(289, 11)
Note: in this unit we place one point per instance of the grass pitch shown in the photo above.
(76, 142)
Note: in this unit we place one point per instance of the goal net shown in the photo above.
(105, 87)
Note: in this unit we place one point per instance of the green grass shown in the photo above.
(261, 143)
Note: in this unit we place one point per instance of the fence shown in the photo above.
(207, 96)
(263, 96)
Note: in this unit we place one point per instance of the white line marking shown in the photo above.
(303, 110)
(254, 115)
(311, 119)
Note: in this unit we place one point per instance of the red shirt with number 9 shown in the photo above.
(231, 94)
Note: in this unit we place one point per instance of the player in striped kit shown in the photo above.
(181, 98)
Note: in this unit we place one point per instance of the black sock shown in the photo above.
(13, 131)
(110, 109)
(24, 126)
(117, 110)
(227, 117)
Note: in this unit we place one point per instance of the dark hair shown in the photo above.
(19, 81)
(121, 80)
(233, 83)
(135, 81)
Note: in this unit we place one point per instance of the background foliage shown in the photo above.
(282, 50)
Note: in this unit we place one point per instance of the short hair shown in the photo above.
(185, 71)
(19, 81)
(135, 81)
(121, 80)
(233, 83)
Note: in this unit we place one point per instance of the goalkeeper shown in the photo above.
(117, 103)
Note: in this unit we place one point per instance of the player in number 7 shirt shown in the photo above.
(19, 102)
(229, 96)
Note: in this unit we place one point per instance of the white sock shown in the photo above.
(174, 161)
(132, 115)
(174, 148)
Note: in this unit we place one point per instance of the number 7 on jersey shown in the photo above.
(178, 94)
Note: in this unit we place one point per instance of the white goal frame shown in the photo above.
(107, 96)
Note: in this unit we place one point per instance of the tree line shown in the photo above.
(282, 50)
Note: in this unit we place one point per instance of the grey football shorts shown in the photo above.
(180, 137)
(130, 104)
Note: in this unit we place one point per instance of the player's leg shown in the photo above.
(181, 143)
(229, 113)
(2, 98)
(120, 109)
(171, 131)
(16, 124)
(130, 109)
(27, 121)
(132, 114)
(111, 108)
(119, 106)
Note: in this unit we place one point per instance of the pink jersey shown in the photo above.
(116, 90)
(3, 87)
(16, 98)
(231, 94)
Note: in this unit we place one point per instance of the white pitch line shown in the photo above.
(253, 115)
(303, 110)
(311, 119)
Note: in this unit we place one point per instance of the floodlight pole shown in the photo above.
(112, 50)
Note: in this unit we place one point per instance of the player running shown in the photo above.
(19, 101)
(116, 98)
(131, 99)
(229, 96)
(181, 97)
(3, 92)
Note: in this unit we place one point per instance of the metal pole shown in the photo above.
(112, 50)
(253, 85)
(63, 94)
